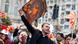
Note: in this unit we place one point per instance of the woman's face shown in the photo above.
(23, 36)
(3, 36)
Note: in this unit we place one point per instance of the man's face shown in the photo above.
(46, 28)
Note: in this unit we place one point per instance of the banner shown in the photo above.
(34, 9)
(72, 19)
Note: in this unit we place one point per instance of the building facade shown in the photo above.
(65, 7)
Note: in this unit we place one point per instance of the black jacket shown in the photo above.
(37, 37)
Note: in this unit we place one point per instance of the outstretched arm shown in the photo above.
(27, 24)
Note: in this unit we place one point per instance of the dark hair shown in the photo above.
(44, 24)
(73, 35)
(23, 30)
(61, 34)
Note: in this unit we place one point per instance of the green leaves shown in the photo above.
(6, 21)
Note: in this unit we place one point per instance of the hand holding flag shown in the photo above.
(34, 9)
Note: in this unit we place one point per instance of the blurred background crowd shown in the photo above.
(64, 29)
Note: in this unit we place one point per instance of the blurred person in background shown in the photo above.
(21, 38)
(67, 39)
(1, 41)
(73, 38)
(70, 39)
(5, 37)
(59, 38)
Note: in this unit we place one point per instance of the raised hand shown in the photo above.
(21, 12)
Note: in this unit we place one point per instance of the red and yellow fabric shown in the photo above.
(7, 28)
(10, 28)
(51, 36)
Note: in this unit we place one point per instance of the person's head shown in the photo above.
(46, 28)
(59, 36)
(4, 37)
(4, 34)
(67, 38)
(23, 36)
(71, 36)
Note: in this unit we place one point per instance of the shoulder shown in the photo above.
(37, 33)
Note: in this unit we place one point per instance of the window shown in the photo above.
(51, 1)
(46, 16)
(47, 2)
(66, 0)
(63, 8)
(16, 11)
(39, 21)
(67, 12)
(59, 1)
(42, 20)
(73, 7)
(68, 5)
(61, 27)
(66, 19)
(49, 19)
(66, 26)
(42, 17)
(46, 20)
(7, 1)
(62, 13)
(7, 6)
(55, 1)
(73, 0)
(25, 1)
(51, 13)
(62, 21)
(50, 7)
(63, 0)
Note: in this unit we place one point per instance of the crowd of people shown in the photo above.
(35, 36)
